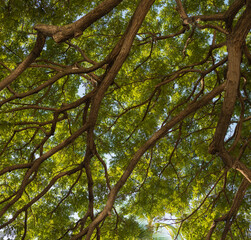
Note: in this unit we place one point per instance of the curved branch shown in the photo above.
(61, 34)
(234, 44)
(26, 63)
(136, 157)
(230, 216)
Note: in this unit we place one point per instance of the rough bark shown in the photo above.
(235, 44)
(61, 34)
(26, 63)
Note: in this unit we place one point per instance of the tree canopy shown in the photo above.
(113, 111)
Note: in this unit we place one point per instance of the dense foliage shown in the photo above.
(115, 112)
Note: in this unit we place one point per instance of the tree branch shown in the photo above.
(230, 216)
(234, 43)
(26, 63)
(61, 34)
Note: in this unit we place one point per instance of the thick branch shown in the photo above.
(163, 131)
(61, 34)
(233, 10)
(230, 216)
(243, 169)
(126, 43)
(26, 63)
(235, 207)
(182, 12)
(234, 44)
(14, 167)
(225, 16)
(136, 157)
